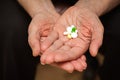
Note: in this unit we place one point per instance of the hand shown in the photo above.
(60, 48)
(41, 24)
(69, 66)
(39, 28)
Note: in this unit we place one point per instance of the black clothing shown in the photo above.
(16, 60)
(111, 45)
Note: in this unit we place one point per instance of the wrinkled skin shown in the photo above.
(39, 28)
(90, 35)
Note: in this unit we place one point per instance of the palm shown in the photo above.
(75, 64)
(90, 32)
(39, 28)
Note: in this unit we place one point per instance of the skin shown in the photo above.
(44, 16)
(85, 16)
(90, 34)
(36, 31)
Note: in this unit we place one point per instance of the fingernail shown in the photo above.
(83, 58)
(36, 52)
(42, 63)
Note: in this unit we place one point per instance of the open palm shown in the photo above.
(90, 35)
(39, 28)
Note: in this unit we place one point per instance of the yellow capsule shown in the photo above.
(69, 36)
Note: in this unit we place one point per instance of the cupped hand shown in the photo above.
(90, 35)
(78, 64)
(39, 28)
(41, 24)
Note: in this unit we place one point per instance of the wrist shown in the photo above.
(45, 13)
(44, 9)
(46, 6)
(99, 7)
(87, 5)
(37, 6)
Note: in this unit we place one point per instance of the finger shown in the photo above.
(65, 48)
(71, 54)
(49, 40)
(48, 56)
(79, 64)
(82, 62)
(56, 45)
(94, 47)
(83, 57)
(34, 39)
(41, 40)
(96, 41)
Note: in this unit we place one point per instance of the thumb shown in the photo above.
(34, 43)
(96, 41)
(34, 39)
